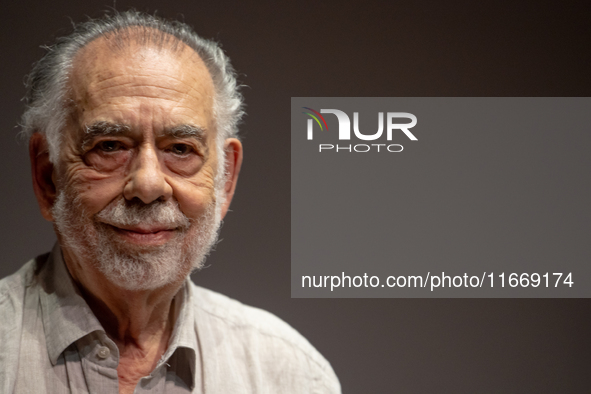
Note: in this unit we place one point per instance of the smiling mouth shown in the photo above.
(145, 236)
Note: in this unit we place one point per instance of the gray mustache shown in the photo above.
(123, 212)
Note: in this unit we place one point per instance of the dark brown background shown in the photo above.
(363, 48)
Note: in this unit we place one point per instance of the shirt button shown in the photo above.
(103, 352)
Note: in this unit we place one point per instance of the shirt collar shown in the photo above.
(67, 317)
(184, 334)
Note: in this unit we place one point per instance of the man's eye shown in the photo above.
(109, 146)
(180, 149)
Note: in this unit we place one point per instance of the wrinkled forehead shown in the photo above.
(120, 64)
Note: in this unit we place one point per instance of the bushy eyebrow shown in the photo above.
(188, 131)
(104, 128)
(101, 129)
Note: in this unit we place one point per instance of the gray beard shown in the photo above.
(129, 266)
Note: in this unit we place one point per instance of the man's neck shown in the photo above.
(131, 317)
(139, 322)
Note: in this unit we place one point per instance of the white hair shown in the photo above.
(47, 85)
(127, 266)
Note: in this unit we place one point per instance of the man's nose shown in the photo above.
(147, 180)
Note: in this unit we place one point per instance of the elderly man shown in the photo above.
(132, 127)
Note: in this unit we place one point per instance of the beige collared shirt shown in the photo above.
(51, 342)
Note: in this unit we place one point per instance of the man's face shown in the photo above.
(136, 180)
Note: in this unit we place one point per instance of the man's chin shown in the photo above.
(143, 267)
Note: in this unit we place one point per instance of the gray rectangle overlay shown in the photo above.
(482, 197)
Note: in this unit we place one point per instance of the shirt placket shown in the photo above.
(100, 358)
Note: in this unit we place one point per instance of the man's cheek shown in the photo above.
(194, 201)
(95, 195)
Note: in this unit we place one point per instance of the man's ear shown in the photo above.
(42, 171)
(233, 149)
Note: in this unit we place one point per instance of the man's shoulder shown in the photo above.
(235, 315)
(12, 287)
(13, 303)
(254, 328)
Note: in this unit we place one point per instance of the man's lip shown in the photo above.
(145, 235)
(144, 229)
